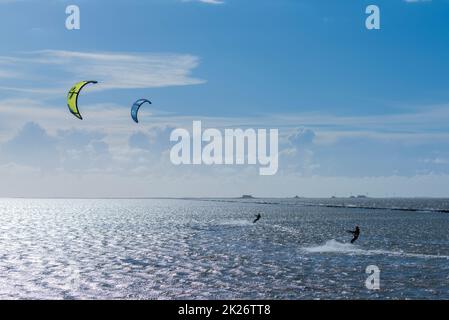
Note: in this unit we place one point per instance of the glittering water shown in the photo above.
(191, 249)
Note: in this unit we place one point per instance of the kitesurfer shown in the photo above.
(355, 233)
(258, 216)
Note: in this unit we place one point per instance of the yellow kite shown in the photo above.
(72, 98)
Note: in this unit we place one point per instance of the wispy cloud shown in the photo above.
(427, 124)
(112, 70)
(415, 1)
(8, 1)
(206, 1)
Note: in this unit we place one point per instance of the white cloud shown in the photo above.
(102, 163)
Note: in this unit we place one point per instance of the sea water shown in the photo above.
(210, 249)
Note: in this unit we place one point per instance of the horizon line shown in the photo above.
(233, 198)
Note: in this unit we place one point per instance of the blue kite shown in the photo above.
(135, 108)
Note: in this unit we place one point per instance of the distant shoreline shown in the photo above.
(225, 198)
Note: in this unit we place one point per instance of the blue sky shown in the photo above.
(358, 111)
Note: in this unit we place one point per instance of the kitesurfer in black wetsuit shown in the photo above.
(258, 216)
(355, 233)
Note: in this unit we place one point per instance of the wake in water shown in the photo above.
(239, 222)
(333, 246)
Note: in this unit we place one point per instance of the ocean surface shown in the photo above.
(210, 249)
